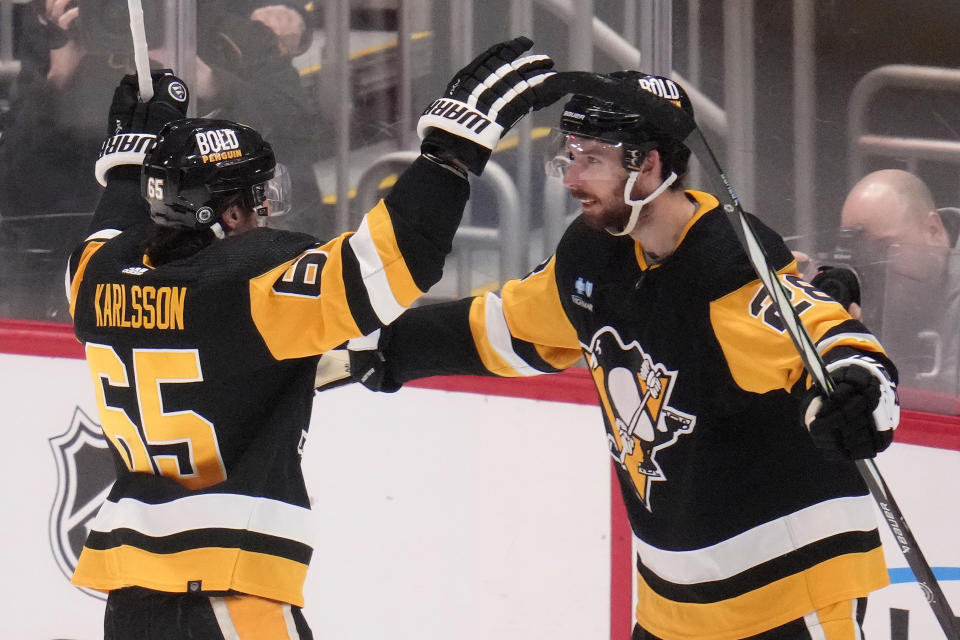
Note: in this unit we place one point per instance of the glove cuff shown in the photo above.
(444, 145)
(886, 415)
(464, 123)
(122, 149)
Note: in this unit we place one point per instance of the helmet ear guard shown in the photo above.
(199, 167)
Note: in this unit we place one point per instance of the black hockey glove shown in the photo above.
(132, 125)
(840, 283)
(483, 101)
(858, 419)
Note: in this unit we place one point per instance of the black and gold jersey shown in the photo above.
(203, 371)
(740, 523)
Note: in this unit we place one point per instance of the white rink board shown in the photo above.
(439, 514)
(925, 483)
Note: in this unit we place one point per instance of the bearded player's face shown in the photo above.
(594, 175)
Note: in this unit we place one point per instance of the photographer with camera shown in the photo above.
(903, 246)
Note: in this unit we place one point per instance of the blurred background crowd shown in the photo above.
(837, 122)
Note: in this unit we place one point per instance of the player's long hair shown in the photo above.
(167, 244)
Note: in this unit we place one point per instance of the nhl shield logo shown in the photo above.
(85, 473)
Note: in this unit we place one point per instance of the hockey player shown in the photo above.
(745, 526)
(202, 332)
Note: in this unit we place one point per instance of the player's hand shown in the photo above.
(368, 366)
(362, 361)
(287, 24)
(483, 101)
(133, 125)
(129, 115)
(840, 283)
(858, 419)
(333, 370)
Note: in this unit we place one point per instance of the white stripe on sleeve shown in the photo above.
(384, 303)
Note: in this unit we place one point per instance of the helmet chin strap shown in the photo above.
(637, 205)
(217, 229)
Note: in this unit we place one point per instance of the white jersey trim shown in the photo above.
(498, 335)
(860, 338)
(384, 303)
(223, 511)
(760, 544)
(224, 621)
(291, 624)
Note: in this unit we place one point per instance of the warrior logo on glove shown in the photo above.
(484, 100)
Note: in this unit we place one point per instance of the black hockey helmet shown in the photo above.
(588, 117)
(200, 166)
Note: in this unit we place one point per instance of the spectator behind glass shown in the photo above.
(73, 52)
(246, 74)
(906, 247)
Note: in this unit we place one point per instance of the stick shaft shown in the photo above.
(141, 56)
(908, 546)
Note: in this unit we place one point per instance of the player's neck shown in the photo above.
(662, 222)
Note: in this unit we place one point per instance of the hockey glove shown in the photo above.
(132, 125)
(858, 419)
(333, 370)
(483, 101)
(361, 362)
(840, 283)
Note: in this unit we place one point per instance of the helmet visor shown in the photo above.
(589, 158)
(277, 192)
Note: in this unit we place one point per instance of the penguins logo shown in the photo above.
(635, 394)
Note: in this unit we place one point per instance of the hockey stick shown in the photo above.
(814, 365)
(666, 116)
(141, 56)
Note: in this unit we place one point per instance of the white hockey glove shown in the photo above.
(858, 419)
(333, 370)
(360, 362)
(483, 101)
(132, 126)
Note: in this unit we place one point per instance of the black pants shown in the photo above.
(794, 630)
(142, 614)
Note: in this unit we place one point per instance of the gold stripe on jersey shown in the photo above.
(836, 622)
(88, 252)
(222, 569)
(494, 339)
(841, 578)
(530, 311)
(861, 341)
(558, 357)
(254, 617)
(761, 356)
(297, 326)
(534, 313)
(490, 356)
(402, 285)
